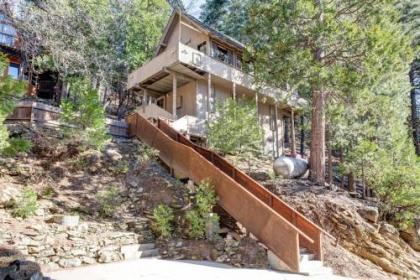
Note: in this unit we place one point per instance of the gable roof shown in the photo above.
(213, 33)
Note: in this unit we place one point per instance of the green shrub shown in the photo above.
(27, 205)
(163, 218)
(108, 202)
(205, 198)
(197, 224)
(16, 146)
(201, 215)
(147, 154)
(83, 116)
(121, 167)
(79, 163)
(48, 192)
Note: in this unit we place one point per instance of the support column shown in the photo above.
(256, 105)
(276, 117)
(144, 100)
(292, 134)
(234, 91)
(174, 95)
(208, 97)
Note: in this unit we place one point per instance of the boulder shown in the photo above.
(289, 167)
(411, 235)
(369, 213)
(7, 193)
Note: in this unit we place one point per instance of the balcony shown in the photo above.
(186, 55)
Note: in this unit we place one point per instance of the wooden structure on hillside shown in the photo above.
(281, 228)
(196, 66)
(37, 113)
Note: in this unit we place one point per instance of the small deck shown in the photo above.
(38, 113)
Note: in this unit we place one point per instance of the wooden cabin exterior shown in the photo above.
(194, 67)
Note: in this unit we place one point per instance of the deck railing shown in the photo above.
(281, 228)
(39, 113)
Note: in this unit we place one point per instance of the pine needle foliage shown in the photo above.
(83, 117)
(235, 128)
(10, 90)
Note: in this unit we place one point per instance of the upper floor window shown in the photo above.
(14, 70)
(222, 54)
(7, 35)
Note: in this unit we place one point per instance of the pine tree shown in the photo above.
(213, 12)
(411, 18)
(83, 117)
(331, 48)
(235, 129)
(10, 90)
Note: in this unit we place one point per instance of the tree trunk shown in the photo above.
(302, 136)
(330, 166)
(341, 162)
(352, 186)
(292, 134)
(415, 103)
(317, 158)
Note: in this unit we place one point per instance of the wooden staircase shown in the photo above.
(278, 226)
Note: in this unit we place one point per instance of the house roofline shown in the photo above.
(213, 33)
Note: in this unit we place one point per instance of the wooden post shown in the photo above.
(174, 89)
(208, 97)
(256, 105)
(234, 91)
(302, 136)
(292, 134)
(144, 100)
(276, 116)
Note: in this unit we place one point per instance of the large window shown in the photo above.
(222, 54)
(14, 70)
(7, 34)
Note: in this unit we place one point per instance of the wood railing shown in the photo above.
(281, 228)
(36, 112)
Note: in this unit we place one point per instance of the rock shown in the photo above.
(387, 229)
(369, 213)
(411, 235)
(113, 154)
(289, 167)
(67, 263)
(105, 256)
(88, 260)
(7, 193)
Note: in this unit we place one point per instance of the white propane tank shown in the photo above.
(290, 167)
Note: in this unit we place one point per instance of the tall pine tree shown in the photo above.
(332, 48)
(411, 18)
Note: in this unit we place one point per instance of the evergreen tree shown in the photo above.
(228, 16)
(10, 90)
(177, 4)
(83, 117)
(411, 18)
(212, 13)
(235, 128)
(332, 48)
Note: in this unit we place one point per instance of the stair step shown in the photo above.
(136, 251)
(327, 271)
(149, 253)
(306, 257)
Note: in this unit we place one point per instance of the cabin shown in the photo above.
(46, 85)
(193, 68)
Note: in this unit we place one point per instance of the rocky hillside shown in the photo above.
(86, 207)
(365, 247)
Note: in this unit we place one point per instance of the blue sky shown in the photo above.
(193, 6)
